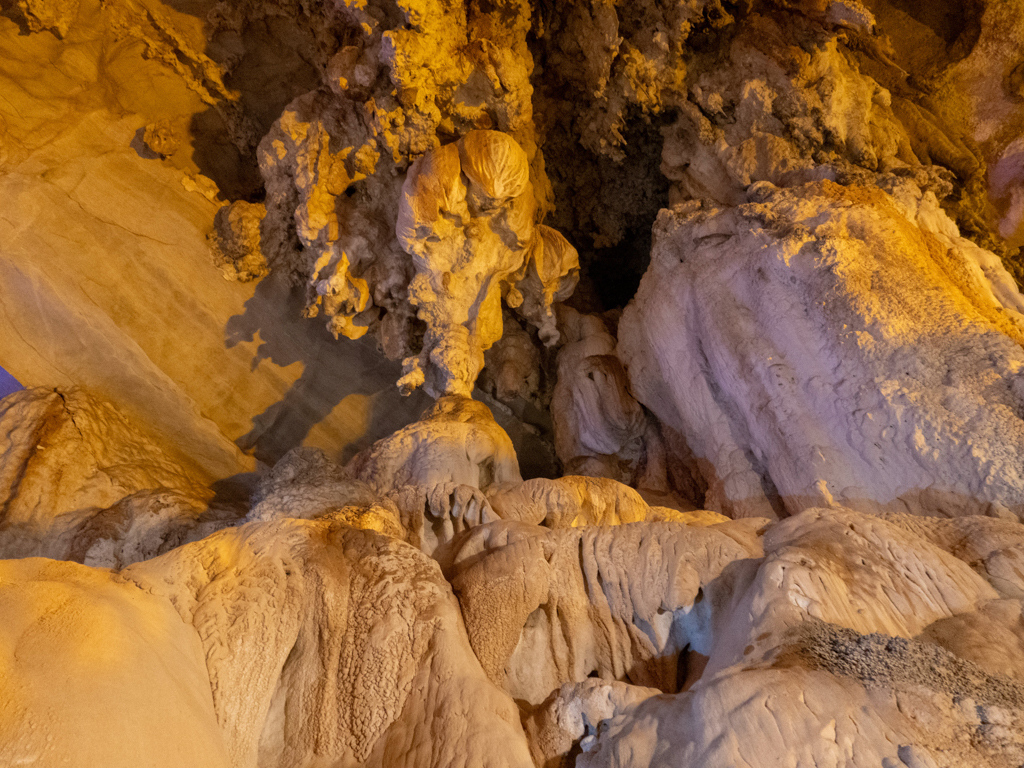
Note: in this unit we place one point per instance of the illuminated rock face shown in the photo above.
(707, 318)
(830, 344)
(467, 218)
(396, 611)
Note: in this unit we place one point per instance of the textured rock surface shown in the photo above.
(455, 441)
(326, 642)
(832, 344)
(732, 284)
(81, 482)
(473, 242)
(811, 679)
(548, 607)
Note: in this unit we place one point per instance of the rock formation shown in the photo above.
(508, 384)
(829, 344)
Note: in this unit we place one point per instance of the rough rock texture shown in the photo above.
(81, 482)
(66, 451)
(627, 634)
(672, 262)
(574, 501)
(832, 344)
(472, 243)
(455, 441)
(548, 607)
(804, 672)
(305, 484)
(324, 642)
(568, 719)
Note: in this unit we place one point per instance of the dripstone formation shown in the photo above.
(420, 384)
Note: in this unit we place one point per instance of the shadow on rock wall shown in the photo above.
(332, 370)
(272, 62)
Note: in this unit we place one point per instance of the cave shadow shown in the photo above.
(332, 370)
(270, 62)
(9, 10)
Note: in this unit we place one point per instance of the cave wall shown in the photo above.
(508, 383)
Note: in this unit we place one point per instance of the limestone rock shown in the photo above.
(991, 637)
(99, 672)
(67, 452)
(809, 718)
(832, 345)
(512, 365)
(343, 173)
(236, 241)
(467, 239)
(138, 527)
(599, 426)
(84, 483)
(456, 441)
(105, 270)
(326, 642)
(765, 115)
(573, 501)
(305, 484)
(814, 665)
(993, 548)
(55, 16)
(827, 336)
(544, 608)
(568, 719)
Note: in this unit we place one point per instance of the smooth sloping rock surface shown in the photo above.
(96, 671)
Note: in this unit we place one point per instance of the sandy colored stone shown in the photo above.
(327, 642)
(99, 672)
(455, 441)
(67, 452)
(570, 502)
(547, 607)
(470, 241)
(307, 485)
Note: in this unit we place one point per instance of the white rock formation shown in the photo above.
(833, 345)
(598, 425)
(544, 608)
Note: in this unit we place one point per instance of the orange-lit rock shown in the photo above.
(673, 263)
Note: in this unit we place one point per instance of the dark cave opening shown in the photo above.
(604, 206)
(607, 208)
